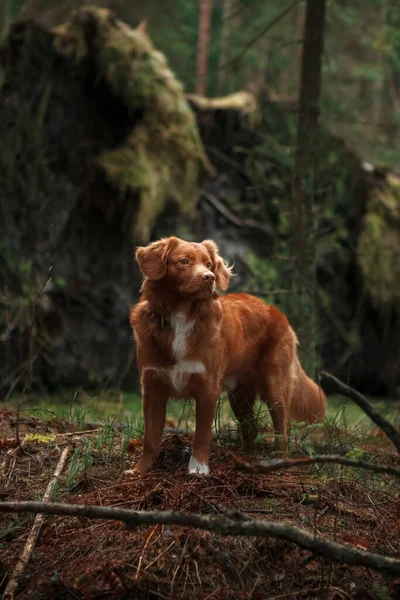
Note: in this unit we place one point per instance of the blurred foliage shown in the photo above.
(361, 87)
(10, 12)
(379, 243)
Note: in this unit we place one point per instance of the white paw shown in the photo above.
(196, 467)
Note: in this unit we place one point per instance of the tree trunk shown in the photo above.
(223, 52)
(203, 46)
(304, 279)
(380, 83)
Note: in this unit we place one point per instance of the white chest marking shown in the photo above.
(182, 329)
(197, 467)
(179, 374)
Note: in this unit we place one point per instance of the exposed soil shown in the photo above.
(80, 558)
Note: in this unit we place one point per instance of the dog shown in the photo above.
(193, 343)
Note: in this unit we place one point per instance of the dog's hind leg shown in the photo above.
(277, 391)
(242, 399)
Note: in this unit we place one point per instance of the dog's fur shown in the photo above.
(193, 343)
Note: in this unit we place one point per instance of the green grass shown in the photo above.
(81, 408)
(356, 416)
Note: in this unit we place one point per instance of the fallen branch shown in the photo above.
(392, 433)
(234, 524)
(34, 534)
(84, 432)
(287, 463)
(228, 214)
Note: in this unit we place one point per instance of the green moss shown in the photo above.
(379, 244)
(162, 157)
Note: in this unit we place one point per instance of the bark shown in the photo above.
(232, 524)
(280, 464)
(224, 45)
(203, 46)
(304, 280)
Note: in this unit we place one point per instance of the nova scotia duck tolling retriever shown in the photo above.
(193, 343)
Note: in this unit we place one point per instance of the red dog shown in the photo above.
(193, 343)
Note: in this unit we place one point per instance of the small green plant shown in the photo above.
(381, 592)
(54, 491)
(74, 470)
(81, 462)
(338, 438)
(16, 524)
(55, 577)
(77, 413)
(357, 454)
(270, 503)
(127, 435)
(105, 439)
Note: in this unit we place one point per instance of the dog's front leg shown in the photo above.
(205, 413)
(154, 400)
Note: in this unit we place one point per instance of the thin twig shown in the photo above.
(33, 311)
(235, 524)
(299, 461)
(392, 433)
(228, 214)
(260, 34)
(20, 373)
(143, 551)
(34, 533)
(73, 433)
(11, 453)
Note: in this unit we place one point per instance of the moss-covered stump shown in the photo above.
(162, 155)
(96, 139)
(379, 243)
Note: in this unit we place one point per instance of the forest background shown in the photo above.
(254, 47)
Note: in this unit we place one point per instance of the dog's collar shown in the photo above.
(162, 321)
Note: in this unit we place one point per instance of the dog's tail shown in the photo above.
(308, 401)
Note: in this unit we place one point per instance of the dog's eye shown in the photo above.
(208, 265)
(184, 261)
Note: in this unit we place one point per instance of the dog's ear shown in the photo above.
(220, 268)
(153, 258)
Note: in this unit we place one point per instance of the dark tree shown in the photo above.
(203, 46)
(304, 182)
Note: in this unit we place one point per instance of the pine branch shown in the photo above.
(299, 461)
(392, 433)
(234, 524)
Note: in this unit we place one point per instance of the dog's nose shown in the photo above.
(208, 276)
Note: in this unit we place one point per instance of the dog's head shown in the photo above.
(189, 268)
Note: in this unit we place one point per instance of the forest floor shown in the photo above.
(81, 558)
